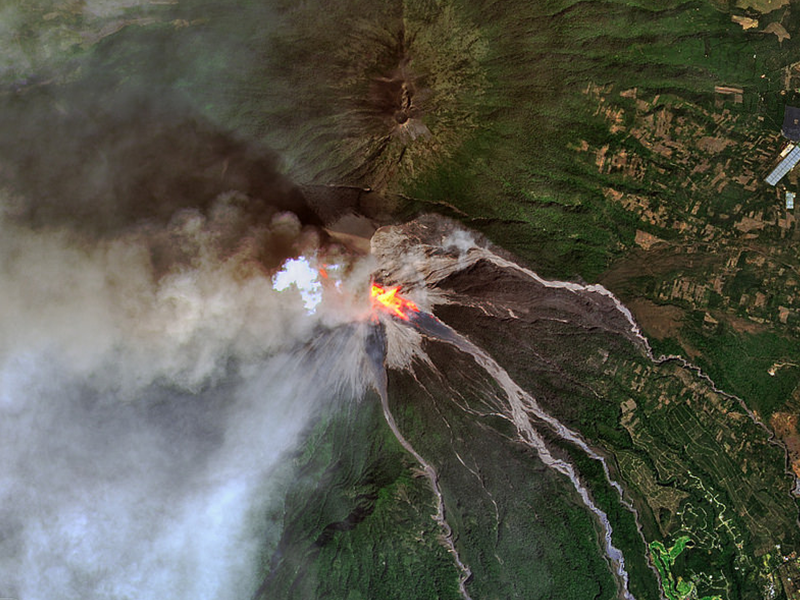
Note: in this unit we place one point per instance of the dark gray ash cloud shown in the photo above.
(151, 380)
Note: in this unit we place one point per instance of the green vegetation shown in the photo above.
(664, 559)
(626, 535)
(356, 521)
(536, 112)
(517, 540)
(741, 363)
(694, 463)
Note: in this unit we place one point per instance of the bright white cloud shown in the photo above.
(144, 414)
(299, 273)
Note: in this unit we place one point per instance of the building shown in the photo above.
(786, 165)
(789, 200)
(791, 123)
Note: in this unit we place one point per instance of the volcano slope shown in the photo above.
(557, 445)
(588, 138)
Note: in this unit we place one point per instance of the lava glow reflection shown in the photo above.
(387, 299)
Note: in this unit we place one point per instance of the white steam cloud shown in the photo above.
(145, 409)
(298, 273)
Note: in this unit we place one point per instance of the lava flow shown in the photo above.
(387, 299)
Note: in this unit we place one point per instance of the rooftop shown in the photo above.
(784, 166)
(791, 123)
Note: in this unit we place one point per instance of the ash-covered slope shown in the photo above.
(545, 451)
(692, 462)
(434, 256)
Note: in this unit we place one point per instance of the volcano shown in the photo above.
(475, 417)
(498, 386)
(294, 301)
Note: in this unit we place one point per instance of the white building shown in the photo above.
(786, 165)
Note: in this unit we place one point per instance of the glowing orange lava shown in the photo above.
(386, 298)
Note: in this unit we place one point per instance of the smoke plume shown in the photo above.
(151, 377)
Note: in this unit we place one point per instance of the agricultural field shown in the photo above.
(696, 463)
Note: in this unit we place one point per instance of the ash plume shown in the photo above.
(151, 378)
